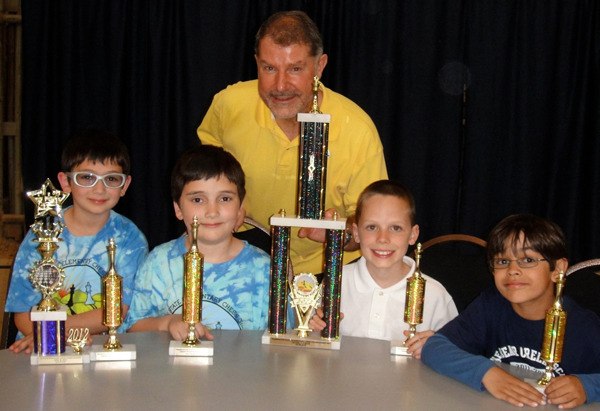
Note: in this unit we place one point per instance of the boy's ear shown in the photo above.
(561, 265)
(63, 180)
(414, 234)
(125, 186)
(178, 212)
(240, 218)
(355, 233)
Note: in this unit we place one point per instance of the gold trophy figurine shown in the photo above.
(112, 285)
(413, 307)
(554, 332)
(192, 302)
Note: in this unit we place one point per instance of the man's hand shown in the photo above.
(505, 387)
(316, 234)
(565, 391)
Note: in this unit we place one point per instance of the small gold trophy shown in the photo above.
(112, 285)
(554, 332)
(47, 276)
(305, 292)
(413, 306)
(192, 302)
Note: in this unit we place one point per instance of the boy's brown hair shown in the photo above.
(388, 188)
(540, 235)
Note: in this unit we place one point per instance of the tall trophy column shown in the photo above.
(47, 276)
(554, 333)
(304, 290)
(112, 285)
(192, 302)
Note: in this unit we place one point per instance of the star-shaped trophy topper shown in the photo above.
(48, 200)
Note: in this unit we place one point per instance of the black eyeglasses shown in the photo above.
(524, 262)
(87, 179)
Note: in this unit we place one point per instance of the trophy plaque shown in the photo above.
(554, 333)
(304, 289)
(47, 276)
(112, 283)
(192, 302)
(413, 305)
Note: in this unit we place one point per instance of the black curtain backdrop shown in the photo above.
(485, 108)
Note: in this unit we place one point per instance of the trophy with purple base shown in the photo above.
(112, 284)
(303, 290)
(47, 276)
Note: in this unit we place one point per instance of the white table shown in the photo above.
(244, 374)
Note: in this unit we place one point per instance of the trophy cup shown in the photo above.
(413, 305)
(47, 276)
(112, 283)
(304, 288)
(554, 333)
(192, 303)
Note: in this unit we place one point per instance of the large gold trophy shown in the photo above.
(554, 332)
(413, 305)
(47, 276)
(112, 285)
(304, 290)
(192, 303)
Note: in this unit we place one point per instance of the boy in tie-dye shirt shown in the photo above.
(207, 183)
(95, 172)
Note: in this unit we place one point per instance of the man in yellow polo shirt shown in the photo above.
(257, 122)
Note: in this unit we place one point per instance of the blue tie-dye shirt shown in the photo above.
(85, 261)
(235, 293)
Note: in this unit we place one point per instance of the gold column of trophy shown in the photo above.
(413, 305)
(305, 291)
(192, 302)
(554, 332)
(47, 276)
(112, 285)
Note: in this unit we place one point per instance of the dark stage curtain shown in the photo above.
(485, 108)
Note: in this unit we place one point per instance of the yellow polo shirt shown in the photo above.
(240, 122)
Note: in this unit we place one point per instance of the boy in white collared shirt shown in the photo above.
(374, 287)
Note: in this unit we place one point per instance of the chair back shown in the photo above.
(459, 262)
(583, 284)
(256, 234)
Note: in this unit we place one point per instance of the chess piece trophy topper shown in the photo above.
(554, 332)
(413, 305)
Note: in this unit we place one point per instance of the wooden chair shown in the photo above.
(583, 284)
(459, 262)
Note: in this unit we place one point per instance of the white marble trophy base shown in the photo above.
(291, 339)
(202, 349)
(125, 353)
(68, 357)
(397, 347)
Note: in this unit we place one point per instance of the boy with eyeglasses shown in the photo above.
(95, 172)
(505, 324)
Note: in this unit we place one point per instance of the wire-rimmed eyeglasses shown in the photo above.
(524, 262)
